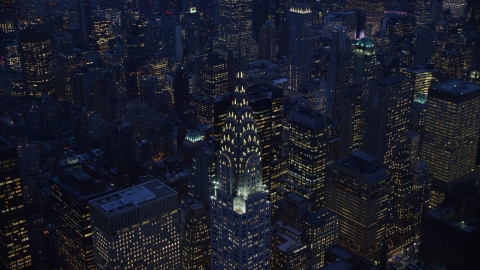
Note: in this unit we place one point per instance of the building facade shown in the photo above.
(14, 243)
(136, 228)
(240, 211)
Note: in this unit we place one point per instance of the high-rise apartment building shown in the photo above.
(299, 43)
(359, 191)
(240, 212)
(136, 228)
(14, 242)
(452, 127)
(36, 58)
(307, 154)
(235, 30)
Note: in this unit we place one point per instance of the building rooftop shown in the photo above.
(365, 42)
(136, 196)
(457, 87)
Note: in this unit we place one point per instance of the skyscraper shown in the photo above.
(14, 243)
(388, 104)
(235, 30)
(36, 58)
(85, 21)
(374, 11)
(299, 42)
(136, 228)
(422, 79)
(423, 45)
(338, 71)
(364, 61)
(451, 134)
(72, 190)
(214, 76)
(358, 190)
(240, 212)
(267, 48)
(307, 156)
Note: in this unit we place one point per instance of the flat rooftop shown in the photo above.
(133, 197)
(457, 87)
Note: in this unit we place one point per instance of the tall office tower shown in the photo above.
(423, 46)
(214, 76)
(374, 11)
(450, 139)
(135, 47)
(318, 230)
(71, 191)
(422, 78)
(307, 155)
(260, 10)
(235, 30)
(267, 45)
(347, 19)
(27, 157)
(82, 83)
(124, 153)
(181, 93)
(422, 183)
(266, 102)
(192, 27)
(316, 94)
(36, 58)
(359, 191)
(171, 36)
(85, 22)
(458, 8)
(103, 32)
(136, 228)
(204, 171)
(338, 71)
(364, 58)
(299, 43)
(240, 212)
(352, 122)
(195, 235)
(387, 129)
(66, 61)
(14, 243)
(388, 104)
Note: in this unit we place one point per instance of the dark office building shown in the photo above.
(448, 242)
(14, 243)
(72, 190)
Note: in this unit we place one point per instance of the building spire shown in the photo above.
(240, 169)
